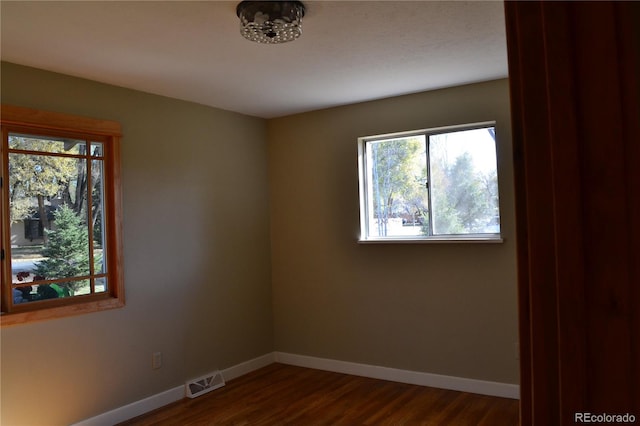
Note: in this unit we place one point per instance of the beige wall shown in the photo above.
(196, 250)
(439, 308)
(203, 275)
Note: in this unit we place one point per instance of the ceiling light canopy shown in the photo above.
(270, 22)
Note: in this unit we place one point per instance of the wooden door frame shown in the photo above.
(573, 69)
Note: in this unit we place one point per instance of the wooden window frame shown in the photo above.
(44, 123)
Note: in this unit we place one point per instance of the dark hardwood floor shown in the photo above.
(286, 395)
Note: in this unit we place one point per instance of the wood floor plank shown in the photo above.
(286, 395)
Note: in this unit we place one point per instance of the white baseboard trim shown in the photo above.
(248, 366)
(482, 387)
(161, 399)
(153, 402)
(135, 409)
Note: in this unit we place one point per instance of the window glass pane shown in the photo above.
(97, 217)
(66, 250)
(53, 145)
(37, 184)
(81, 287)
(397, 193)
(35, 293)
(96, 149)
(101, 285)
(49, 230)
(24, 294)
(464, 182)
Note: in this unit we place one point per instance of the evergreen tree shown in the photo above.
(66, 251)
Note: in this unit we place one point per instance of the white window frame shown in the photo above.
(365, 202)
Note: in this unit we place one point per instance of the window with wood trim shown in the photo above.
(60, 213)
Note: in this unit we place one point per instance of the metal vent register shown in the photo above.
(204, 384)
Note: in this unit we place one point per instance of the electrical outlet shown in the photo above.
(156, 360)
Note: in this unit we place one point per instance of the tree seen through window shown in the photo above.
(431, 184)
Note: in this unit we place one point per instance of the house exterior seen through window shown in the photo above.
(60, 215)
(438, 184)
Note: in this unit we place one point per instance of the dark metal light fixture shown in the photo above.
(270, 21)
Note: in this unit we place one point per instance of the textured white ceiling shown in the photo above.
(349, 51)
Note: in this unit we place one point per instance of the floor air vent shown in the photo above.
(204, 384)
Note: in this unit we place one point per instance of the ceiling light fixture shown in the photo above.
(270, 22)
